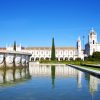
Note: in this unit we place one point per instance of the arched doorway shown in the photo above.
(42, 58)
(71, 59)
(47, 58)
(37, 59)
(32, 59)
(66, 59)
(61, 59)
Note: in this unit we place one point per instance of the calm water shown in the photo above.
(48, 83)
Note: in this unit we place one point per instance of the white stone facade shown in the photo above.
(14, 59)
(62, 53)
(44, 53)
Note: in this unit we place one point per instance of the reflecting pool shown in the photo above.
(46, 82)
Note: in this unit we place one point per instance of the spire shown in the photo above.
(6, 46)
(79, 47)
(79, 38)
(92, 31)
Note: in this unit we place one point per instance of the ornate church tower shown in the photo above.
(92, 41)
(79, 47)
(92, 37)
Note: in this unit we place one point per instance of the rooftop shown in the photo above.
(48, 48)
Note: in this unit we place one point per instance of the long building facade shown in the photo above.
(62, 53)
(44, 53)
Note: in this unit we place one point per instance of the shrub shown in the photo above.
(96, 56)
(78, 59)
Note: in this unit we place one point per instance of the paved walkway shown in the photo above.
(92, 65)
(91, 71)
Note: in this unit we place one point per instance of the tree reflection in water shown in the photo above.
(53, 76)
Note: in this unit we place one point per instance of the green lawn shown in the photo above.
(70, 62)
(79, 63)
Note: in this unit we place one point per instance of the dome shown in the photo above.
(92, 32)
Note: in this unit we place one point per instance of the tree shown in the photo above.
(14, 45)
(96, 56)
(53, 50)
(77, 59)
(89, 58)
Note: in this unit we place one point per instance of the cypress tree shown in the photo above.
(53, 50)
(14, 45)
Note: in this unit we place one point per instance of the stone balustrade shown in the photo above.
(14, 59)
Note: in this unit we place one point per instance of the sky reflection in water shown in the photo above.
(48, 83)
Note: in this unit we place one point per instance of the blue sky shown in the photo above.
(35, 22)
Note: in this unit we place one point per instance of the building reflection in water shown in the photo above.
(14, 75)
(64, 71)
(79, 78)
(46, 70)
(93, 83)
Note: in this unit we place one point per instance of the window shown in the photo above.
(42, 52)
(93, 41)
(71, 53)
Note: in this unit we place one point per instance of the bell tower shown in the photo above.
(92, 41)
(79, 47)
(92, 38)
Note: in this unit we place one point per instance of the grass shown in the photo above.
(60, 62)
(79, 63)
(69, 62)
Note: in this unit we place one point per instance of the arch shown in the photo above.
(71, 58)
(78, 59)
(47, 58)
(66, 58)
(32, 59)
(37, 59)
(41, 58)
(61, 59)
